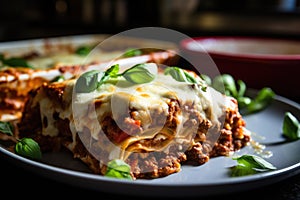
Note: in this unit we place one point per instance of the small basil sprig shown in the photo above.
(291, 126)
(87, 82)
(264, 98)
(83, 50)
(7, 128)
(132, 52)
(138, 74)
(250, 164)
(118, 169)
(182, 75)
(227, 85)
(26, 147)
(14, 62)
(59, 78)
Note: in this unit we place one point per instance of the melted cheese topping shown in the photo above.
(65, 58)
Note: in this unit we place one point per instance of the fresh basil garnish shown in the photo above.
(118, 169)
(226, 84)
(132, 52)
(14, 62)
(83, 50)
(27, 147)
(264, 98)
(6, 127)
(179, 74)
(88, 81)
(291, 126)
(138, 74)
(59, 78)
(182, 75)
(250, 164)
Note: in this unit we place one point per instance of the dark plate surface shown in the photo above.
(209, 179)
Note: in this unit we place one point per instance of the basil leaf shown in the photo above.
(16, 62)
(206, 78)
(261, 101)
(241, 170)
(83, 50)
(6, 127)
(291, 126)
(242, 88)
(177, 73)
(59, 78)
(118, 169)
(250, 164)
(132, 52)
(243, 102)
(225, 84)
(189, 77)
(139, 74)
(88, 81)
(254, 161)
(27, 147)
(113, 70)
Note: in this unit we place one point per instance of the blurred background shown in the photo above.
(28, 19)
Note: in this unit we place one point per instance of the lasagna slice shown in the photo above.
(154, 126)
(16, 82)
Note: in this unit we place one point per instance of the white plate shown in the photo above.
(209, 179)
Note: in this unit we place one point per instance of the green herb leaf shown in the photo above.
(16, 62)
(83, 50)
(132, 52)
(225, 84)
(250, 164)
(59, 78)
(88, 81)
(242, 88)
(261, 101)
(243, 102)
(291, 126)
(241, 170)
(206, 78)
(182, 75)
(118, 169)
(177, 73)
(140, 73)
(6, 127)
(113, 71)
(27, 147)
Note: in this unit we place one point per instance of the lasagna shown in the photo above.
(155, 126)
(16, 81)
